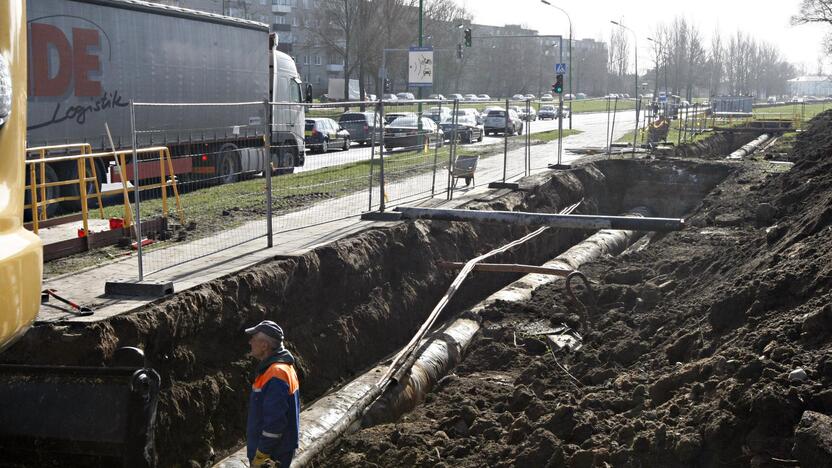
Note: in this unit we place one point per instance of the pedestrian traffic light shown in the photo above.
(467, 37)
(557, 88)
(387, 85)
(459, 51)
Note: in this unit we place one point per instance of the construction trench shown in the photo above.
(682, 352)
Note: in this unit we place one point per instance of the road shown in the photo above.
(592, 125)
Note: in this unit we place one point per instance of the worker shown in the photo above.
(274, 406)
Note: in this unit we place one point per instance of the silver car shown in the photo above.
(496, 122)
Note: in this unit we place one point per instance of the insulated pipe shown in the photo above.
(444, 349)
(563, 221)
(750, 148)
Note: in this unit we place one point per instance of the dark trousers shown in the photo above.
(284, 458)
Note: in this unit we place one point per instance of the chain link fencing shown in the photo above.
(239, 179)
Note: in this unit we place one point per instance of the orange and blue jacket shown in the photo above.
(274, 407)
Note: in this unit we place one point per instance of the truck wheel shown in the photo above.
(346, 144)
(293, 159)
(324, 147)
(71, 171)
(51, 192)
(228, 164)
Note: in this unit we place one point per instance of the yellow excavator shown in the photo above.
(21, 252)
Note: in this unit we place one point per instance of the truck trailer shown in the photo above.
(91, 58)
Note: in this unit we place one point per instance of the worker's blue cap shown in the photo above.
(268, 328)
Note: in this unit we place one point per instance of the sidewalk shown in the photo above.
(292, 236)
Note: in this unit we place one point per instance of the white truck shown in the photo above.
(90, 58)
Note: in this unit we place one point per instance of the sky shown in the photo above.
(766, 20)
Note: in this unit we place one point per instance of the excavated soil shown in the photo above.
(706, 347)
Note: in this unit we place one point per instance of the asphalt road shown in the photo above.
(592, 125)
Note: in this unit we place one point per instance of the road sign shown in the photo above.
(420, 67)
(560, 68)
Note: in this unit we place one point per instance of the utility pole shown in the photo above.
(635, 96)
(545, 2)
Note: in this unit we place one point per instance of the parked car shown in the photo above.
(371, 97)
(484, 97)
(324, 134)
(548, 111)
(547, 97)
(361, 126)
(471, 98)
(389, 97)
(437, 97)
(465, 129)
(438, 114)
(456, 97)
(473, 113)
(530, 96)
(403, 132)
(568, 97)
(391, 116)
(496, 122)
(518, 97)
(529, 115)
(581, 95)
(406, 96)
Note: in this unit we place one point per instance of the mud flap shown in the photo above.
(68, 416)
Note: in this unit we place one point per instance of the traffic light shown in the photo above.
(557, 88)
(387, 85)
(467, 37)
(459, 51)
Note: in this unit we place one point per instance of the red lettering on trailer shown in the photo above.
(75, 62)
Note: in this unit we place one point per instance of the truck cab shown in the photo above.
(288, 113)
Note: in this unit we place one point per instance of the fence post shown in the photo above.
(136, 194)
(376, 111)
(381, 162)
(527, 160)
(505, 142)
(267, 172)
(436, 151)
(452, 153)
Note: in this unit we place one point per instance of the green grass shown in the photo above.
(793, 111)
(222, 207)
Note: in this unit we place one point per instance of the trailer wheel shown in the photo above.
(228, 164)
(71, 190)
(51, 192)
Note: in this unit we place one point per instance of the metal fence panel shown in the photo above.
(214, 176)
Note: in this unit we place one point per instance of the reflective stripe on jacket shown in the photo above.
(274, 411)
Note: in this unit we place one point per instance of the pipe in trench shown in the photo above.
(327, 419)
(749, 148)
(442, 351)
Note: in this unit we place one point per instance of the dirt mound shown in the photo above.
(706, 347)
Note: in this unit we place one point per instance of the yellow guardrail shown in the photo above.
(39, 204)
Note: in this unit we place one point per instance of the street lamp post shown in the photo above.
(570, 56)
(635, 90)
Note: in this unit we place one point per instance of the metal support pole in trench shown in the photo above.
(564, 221)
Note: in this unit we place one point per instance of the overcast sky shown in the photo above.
(591, 19)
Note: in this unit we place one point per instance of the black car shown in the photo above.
(324, 134)
(360, 125)
(403, 133)
(465, 129)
